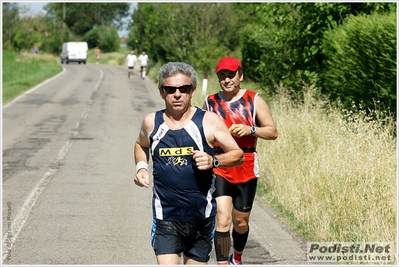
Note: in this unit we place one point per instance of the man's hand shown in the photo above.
(240, 130)
(203, 160)
(142, 178)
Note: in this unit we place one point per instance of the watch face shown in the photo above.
(253, 129)
(215, 162)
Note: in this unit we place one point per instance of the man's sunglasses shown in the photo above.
(183, 89)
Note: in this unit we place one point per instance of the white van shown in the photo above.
(74, 52)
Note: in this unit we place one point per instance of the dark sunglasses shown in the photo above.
(183, 89)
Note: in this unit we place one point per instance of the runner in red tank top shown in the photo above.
(248, 117)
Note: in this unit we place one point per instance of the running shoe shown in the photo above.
(231, 261)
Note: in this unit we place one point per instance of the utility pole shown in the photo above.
(63, 20)
(63, 15)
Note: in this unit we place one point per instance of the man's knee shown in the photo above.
(241, 222)
(223, 220)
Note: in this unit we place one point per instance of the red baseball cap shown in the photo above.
(228, 63)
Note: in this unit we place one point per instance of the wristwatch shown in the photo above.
(253, 129)
(216, 162)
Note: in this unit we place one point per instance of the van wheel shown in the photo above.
(80, 62)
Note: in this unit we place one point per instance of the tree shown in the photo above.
(198, 33)
(82, 17)
(10, 22)
(284, 45)
(108, 38)
(361, 62)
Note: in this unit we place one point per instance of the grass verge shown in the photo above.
(23, 71)
(331, 171)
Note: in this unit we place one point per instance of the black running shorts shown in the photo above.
(193, 238)
(243, 194)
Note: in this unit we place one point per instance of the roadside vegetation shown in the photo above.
(327, 70)
(22, 71)
(332, 171)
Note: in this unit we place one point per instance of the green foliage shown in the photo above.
(361, 62)
(108, 38)
(92, 38)
(40, 31)
(23, 71)
(82, 17)
(198, 33)
(50, 38)
(10, 20)
(279, 43)
(49, 32)
(20, 39)
(205, 57)
(284, 45)
(263, 59)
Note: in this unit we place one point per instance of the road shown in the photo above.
(68, 190)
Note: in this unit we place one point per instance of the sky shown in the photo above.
(37, 7)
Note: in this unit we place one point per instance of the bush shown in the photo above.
(361, 62)
(263, 57)
(23, 39)
(108, 39)
(51, 45)
(92, 38)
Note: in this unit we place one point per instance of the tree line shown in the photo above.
(279, 44)
(282, 44)
(96, 23)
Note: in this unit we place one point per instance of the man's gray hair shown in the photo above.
(171, 69)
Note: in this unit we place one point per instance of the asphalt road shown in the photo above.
(68, 191)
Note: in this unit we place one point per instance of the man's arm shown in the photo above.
(267, 129)
(233, 154)
(216, 131)
(141, 151)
